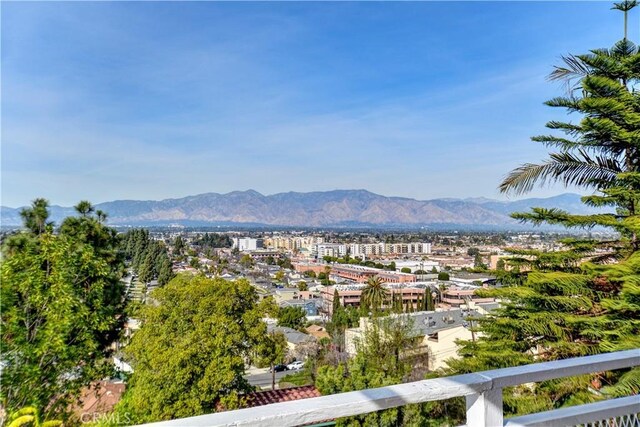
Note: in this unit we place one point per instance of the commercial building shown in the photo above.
(360, 274)
(247, 244)
(350, 295)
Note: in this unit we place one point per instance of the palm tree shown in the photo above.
(30, 416)
(84, 208)
(101, 216)
(374, 295)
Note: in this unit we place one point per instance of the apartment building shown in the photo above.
(330, 249)
(436, 332)
(360, 274)
(455, 296)
(350, 295)
(371, 249)
(293, 243)
(415, 248)
(366, 249)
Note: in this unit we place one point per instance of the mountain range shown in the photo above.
(338, 208)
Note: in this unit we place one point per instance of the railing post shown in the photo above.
(485, 409)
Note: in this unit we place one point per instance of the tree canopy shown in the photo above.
(381, 359)
(291, 317)
(148, 258)
(62, 304)
(189, 354)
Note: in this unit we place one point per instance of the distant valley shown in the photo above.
(338, 208)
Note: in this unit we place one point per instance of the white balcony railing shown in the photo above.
(483, 392)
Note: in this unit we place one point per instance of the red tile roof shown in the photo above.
(283, 395)
(99, 398)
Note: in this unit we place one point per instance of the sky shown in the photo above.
(152, 100)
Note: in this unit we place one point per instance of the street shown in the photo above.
(263, 379)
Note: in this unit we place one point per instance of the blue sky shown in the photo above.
(152, 100)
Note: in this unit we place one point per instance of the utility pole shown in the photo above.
(473, 334)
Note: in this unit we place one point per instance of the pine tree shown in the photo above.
(428, 305)
(554, 304)
(336, 301)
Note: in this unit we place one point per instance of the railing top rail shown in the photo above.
(581, 414)
(319, 409)
(537, 372)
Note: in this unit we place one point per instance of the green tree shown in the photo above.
(396, 303)
(374, 295)
(246, 261)
(428, 300)
(341, 319)
(336, 301)
(30, 417)
(165, 273)
(179, 245)
(285, 262)
(565, 307)
(302, 286)
(271, 352)
(291, 317)
(477, 262)
(35, 217)
(62, 306)
(189, 354)
(405, 270)
(443, 276)
(279, 276)
(595, 152)
(84, 208)
(379, 361)
(146, 270)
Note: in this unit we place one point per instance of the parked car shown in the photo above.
(294, 366)
(279, 368)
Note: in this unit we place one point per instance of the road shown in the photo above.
(263, 380)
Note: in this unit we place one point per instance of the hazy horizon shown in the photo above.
(178, 197)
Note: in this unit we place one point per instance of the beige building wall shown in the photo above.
(440, 347)
(443, 346)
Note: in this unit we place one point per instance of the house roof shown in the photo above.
(430, 322)
(291, 335)
(283, 395)
(317, 331)
(99, 398)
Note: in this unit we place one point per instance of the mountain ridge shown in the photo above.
(314, 209)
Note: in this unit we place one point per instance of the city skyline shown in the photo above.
(147, 101)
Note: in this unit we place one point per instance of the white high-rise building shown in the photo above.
(247, 244)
